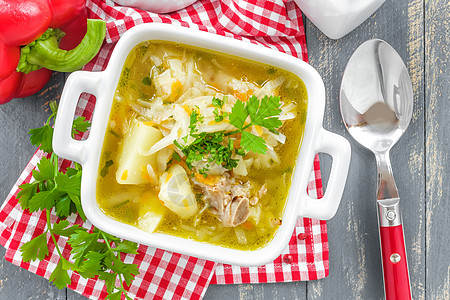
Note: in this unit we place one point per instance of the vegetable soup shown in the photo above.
(201, 145)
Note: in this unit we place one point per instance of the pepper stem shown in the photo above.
(45, 51)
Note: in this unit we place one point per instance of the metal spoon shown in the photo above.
(376, 105)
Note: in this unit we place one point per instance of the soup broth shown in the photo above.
(172, 98)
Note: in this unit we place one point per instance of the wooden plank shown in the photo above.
(269, 291)
(18, 283)
(355, 267)
(72, 295)
(437, 41)
(17, 117)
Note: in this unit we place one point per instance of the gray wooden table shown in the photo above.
(420, 31)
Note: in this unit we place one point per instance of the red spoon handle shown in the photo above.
(395, 267)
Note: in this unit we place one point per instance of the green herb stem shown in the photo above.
(122, 287)
(246, 126)
(106, 241)
(49, 118)
(50, 229)
(232, 132)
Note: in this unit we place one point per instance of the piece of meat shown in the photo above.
(262, 191)
(229, 200)
(240, 190)
(236, 212)
(217, 194)
(254, 200)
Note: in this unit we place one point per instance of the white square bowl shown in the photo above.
(337, 18)
(103, 85)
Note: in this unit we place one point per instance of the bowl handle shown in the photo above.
(339, 149)
(63, 144)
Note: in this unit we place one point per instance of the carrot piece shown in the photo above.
(124, 175)
(241, 96)
(247, 225)
(209, 180)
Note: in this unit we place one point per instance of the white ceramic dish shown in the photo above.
(156, 6)
(338, 18)
(315, 140)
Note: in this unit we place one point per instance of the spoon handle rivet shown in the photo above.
(395, 258)
(391, 215)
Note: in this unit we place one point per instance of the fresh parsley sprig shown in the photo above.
(93, 253)
(98, 254)
(50, 187)
(218, 104)
(262, 112)
(218, 146)
(194, 118)
(209, 145)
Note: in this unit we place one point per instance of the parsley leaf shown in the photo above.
(110, 281)
(96, 258)
(217, 116)
(262, 112)
(251, 142)
(81, 242)
(46, 170)
(35, 249)
(117, 266)
(59, 276)
(126, 247)
(115, 296)
(64, 207)
(76, 200)
(176, 156)
(42, 136)
(28, 190)
(92, 264)
(217, 102)
(69, 185)
(80, 125)
(265, 112)
(238, 114)
(42, 200)
(64, 228)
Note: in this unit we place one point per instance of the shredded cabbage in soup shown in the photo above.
(201, 145)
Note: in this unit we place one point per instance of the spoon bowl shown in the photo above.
(376, 102)
(376, 96)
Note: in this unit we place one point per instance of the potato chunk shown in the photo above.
(151, 212)
(133, 165)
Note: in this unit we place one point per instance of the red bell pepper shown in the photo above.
(64, 12)
(21, 22)
(33, 82)
(9, 87)
(37, 36)
(9, 57)
(70, 17)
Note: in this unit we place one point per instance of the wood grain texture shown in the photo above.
(268, 291)
(355, 267)
(437, 41)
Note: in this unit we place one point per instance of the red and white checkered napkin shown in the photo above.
(305, 258)
(165, 275)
